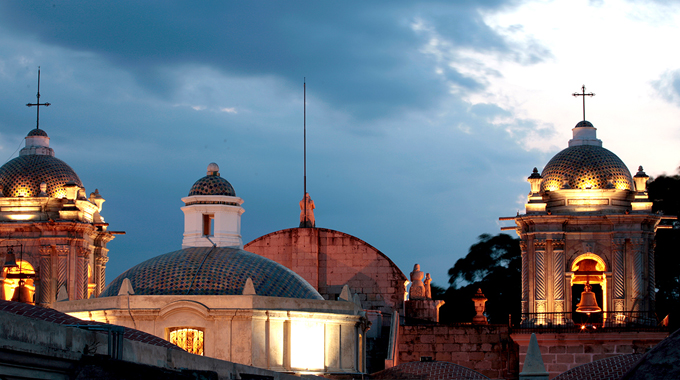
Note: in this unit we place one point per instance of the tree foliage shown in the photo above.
(664, 191)
(494, 265)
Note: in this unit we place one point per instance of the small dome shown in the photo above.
(212, 271)
(586, 167)
(584, 124)
(37, 132)
(23, 175)
(212, 184)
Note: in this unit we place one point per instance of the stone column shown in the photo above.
(82, 258)
(47, 292)
(638, 273)
(540, 281)
(619, 294)
(558, 275)
(100, 273)
(525, 278)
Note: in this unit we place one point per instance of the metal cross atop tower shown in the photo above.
(583, 93)
(37, 103)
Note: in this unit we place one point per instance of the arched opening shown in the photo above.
(18, 284)
(188, 339)
(588, 268)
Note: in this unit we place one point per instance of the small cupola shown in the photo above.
(212, 213)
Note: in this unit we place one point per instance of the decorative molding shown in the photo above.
(619, 275)
(525, 307)
(102, 279)
(540, 275)
(558, 275)
(539, 244)
(523, 245)
(559, 306)
(588, 247)
(541, 306)
(80, 284)
(619, 305)
(558, 244)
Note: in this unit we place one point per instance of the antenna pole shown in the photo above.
(304, 196)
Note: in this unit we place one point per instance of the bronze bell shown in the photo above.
(22, 293)
(588, 302)
(10, 260)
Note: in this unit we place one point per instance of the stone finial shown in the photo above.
(62, 295)
(345, 294)
(249, 288)
(97, 199)
(71, 190)
(43, 189)
(479, 299)
(535, 181)
(126, 288)
(533, 368)
(417, 290)
(307, 212)
(428, 288)
(81, 194)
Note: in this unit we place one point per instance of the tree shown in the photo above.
(664, 191)
(493, 264)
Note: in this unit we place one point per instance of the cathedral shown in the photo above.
(53, 234)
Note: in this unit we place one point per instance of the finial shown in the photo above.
(37, 103)
(583, 94)
(213, 169)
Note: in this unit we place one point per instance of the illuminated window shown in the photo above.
(307, 345)
(188, 339)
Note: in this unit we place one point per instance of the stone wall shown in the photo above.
(329, 259)
(486, 349)
(561, 352)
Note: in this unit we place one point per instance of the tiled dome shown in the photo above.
(212, 185)
(213, 271)
(22, 176)
(37, 132)
(586, 166)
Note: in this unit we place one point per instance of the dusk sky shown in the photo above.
(423, 119)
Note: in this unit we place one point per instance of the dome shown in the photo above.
(212, 184)
(586, 167)
(22, 176)
(212, 271)
(37, 132)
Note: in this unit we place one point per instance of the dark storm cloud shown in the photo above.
(361, 55)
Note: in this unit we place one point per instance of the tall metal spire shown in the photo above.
(583, 93)
(37, 103)
(304, 89)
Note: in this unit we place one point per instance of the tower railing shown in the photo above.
(605, 321)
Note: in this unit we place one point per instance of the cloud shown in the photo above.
(668, 86)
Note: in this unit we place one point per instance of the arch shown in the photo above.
(193, 307)
(601, 265)
(9, 285)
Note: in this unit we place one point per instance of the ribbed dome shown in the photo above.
(37, 132)
(586, 167)
(22, 176)
(224, 272)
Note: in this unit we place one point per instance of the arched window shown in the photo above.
(23, 272)
(187, 338)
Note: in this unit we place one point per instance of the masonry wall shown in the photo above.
(329, 259)
(485, 349)
(561, 352)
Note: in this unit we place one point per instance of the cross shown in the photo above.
(37, 103)
(583, 93)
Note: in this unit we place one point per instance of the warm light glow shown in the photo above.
(600, 266)
(21, 216)
(307, 345)
(10, 284)
(190, 340)
(588, 202)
